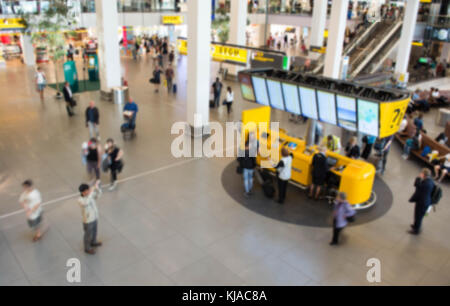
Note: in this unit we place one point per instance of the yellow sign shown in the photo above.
(319, 50)
(172, 19)
(325, 34)
(11, 23)
(219, 53)
(417, 43)
(391, 115)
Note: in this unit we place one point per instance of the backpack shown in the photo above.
(436, 195)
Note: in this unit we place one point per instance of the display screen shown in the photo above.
(291, 98)
(327, 107)
(259, 85)
(246, 87)
(308, 102)
(275, 94)
(346, 112)
(368, 117)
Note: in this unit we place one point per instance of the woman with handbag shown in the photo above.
(343, 213)
(156, 80)
(116, 164)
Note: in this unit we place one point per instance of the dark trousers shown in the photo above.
(282, 186)
(383, 161)
(367, 150)
(228, 107)
(419, 213)
(169, 85)
(69, 108)
(90, 235)
(216, 99)
(114, 167)
(336, 232)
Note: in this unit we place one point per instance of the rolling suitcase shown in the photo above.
(174, 89)
(266, 181)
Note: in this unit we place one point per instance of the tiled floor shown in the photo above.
(174, 224)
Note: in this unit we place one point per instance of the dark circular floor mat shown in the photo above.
(298, 209)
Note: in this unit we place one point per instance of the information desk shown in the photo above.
(356, 177)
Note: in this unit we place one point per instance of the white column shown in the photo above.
(319, 20)
(338, 22)
(406, 38)
(29, 56)
(238, 22)
(199, 62)
(108, 44)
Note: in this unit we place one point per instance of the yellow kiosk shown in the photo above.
(371, 111)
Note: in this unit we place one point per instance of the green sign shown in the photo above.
(71, 75)
(93, 67)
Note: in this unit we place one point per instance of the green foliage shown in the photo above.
(50, 28)
(221, 25)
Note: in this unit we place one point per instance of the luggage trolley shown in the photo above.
(128, 128)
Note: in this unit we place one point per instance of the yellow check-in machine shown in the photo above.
(360, 109)
(356, 177)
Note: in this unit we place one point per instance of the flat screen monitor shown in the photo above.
(259, 85)
(368, 117)
(291, 98)
(308, 102)
(246, 87)
(327, 107)
(346, 112)
(275, 94)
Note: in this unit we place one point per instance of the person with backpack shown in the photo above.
(342, 214)
(422, 198)
(284, 171)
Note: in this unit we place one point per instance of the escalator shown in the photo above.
(373, 52)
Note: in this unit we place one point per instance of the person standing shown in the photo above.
(385, 152)
(319, 173)
(248, 165)
(171, 57)
(89, 211)
(341, 214)
(332, 142)
(229, 100)
(115, 155)
(284, 171)
(41, 82)
(422, 198)
(368, 141)
(93, 158)
(92, 120)
(31, 201)
(170, 74)
(68, 97)
(352, 149)
(217, 91)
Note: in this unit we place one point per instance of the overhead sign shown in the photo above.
(171, 19)
(11, 23)
(220, 53)
(391, 116)
(262, 59)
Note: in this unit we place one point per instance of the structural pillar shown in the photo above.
(333, 56)
(108, 45)
(238, 27)
(406, 39)
(319, 20)
(29, 56)
(335, 46)
(198, 66)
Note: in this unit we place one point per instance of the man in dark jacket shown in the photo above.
(217, 90)
(422, 198)
(92, 120)
(319, 173)
(248, 164)
(68, 97)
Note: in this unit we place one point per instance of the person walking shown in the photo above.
(89, 212)
(248, 165)
(115, 155)
(342, 213)
(284, 171)
(156, 80)
(68, 97)
(422, 198)
(217, 91)
(31, 201)
(94, 158)
(319, 173)
(170, 74)
(92, 120)
(41, 82)
(229, 100)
